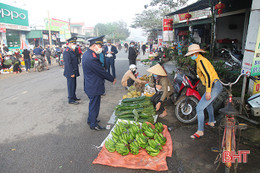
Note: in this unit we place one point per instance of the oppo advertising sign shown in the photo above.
(13, 15)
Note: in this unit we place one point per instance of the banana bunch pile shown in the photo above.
(128, 137)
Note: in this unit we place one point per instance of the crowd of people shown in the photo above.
(97, 61)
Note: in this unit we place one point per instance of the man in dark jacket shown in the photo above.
(110, 56)
(48, 54)
(78, 53)
(144, 48)
(71, 70)
(132, 53)
(94, 80)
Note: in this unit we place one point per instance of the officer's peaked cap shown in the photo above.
(96, 40)
(72, 40)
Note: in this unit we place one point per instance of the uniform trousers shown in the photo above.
(94, 106)
(71, 84)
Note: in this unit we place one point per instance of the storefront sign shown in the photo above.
(14, 27)
(167, 24)
(13, 15)
(58, 25)
(256, 87)
(255, 71)
(195, 15)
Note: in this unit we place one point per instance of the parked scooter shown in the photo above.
(233, 58)
(185, 97)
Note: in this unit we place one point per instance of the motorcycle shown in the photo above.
(185, 97)
(38, 62)
(233, 58)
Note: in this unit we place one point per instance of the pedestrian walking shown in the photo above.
(5, 49)
(27, 59)
(208, 76)
(133, 53)
(94, 80)
(110, 56)
(126, 47)
(144, 48)
(71, 70)
(48, 54)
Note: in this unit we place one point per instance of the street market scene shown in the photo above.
(142, 86)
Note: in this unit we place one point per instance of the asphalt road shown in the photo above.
(41, 133)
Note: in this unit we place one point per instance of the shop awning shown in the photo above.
(192, 23)
(34, 34)
(231, 5)
(199, 5)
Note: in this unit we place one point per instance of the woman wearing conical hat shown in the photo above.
(208, 77)
(163, 87)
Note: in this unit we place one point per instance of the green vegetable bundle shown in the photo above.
(139, 109)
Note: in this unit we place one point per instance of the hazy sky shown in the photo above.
(90, 12)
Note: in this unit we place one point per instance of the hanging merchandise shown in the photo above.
(187, 17)
(220, 6)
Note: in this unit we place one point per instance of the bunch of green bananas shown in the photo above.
(159, 127)
(126, 137)
(160, 138)
(149, 132)
(144, 126)
(119, 129)
(142, 140)
(151, 151)
(122, 148)
(133, 130)
(123, 124)
(134, 148)
(110, 145)
(154, 147)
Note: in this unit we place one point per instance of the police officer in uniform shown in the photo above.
(94, 80)
(71, 70)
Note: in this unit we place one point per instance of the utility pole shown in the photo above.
(49, 22)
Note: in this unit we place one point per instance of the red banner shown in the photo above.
(167, 24)
(2, 30)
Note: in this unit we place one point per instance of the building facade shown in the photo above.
(14, 25)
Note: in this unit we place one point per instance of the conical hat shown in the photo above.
(157, 70)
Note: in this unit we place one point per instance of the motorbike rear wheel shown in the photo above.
(186, 113)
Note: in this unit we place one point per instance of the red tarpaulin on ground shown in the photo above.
(141, 161)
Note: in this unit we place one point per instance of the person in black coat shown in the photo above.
(94, 80)
(144, 48)
(71, 70)
(132, 53)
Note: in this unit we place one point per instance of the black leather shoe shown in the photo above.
(74, 103)
(77, 99)
(98, 121)
(98, 128)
